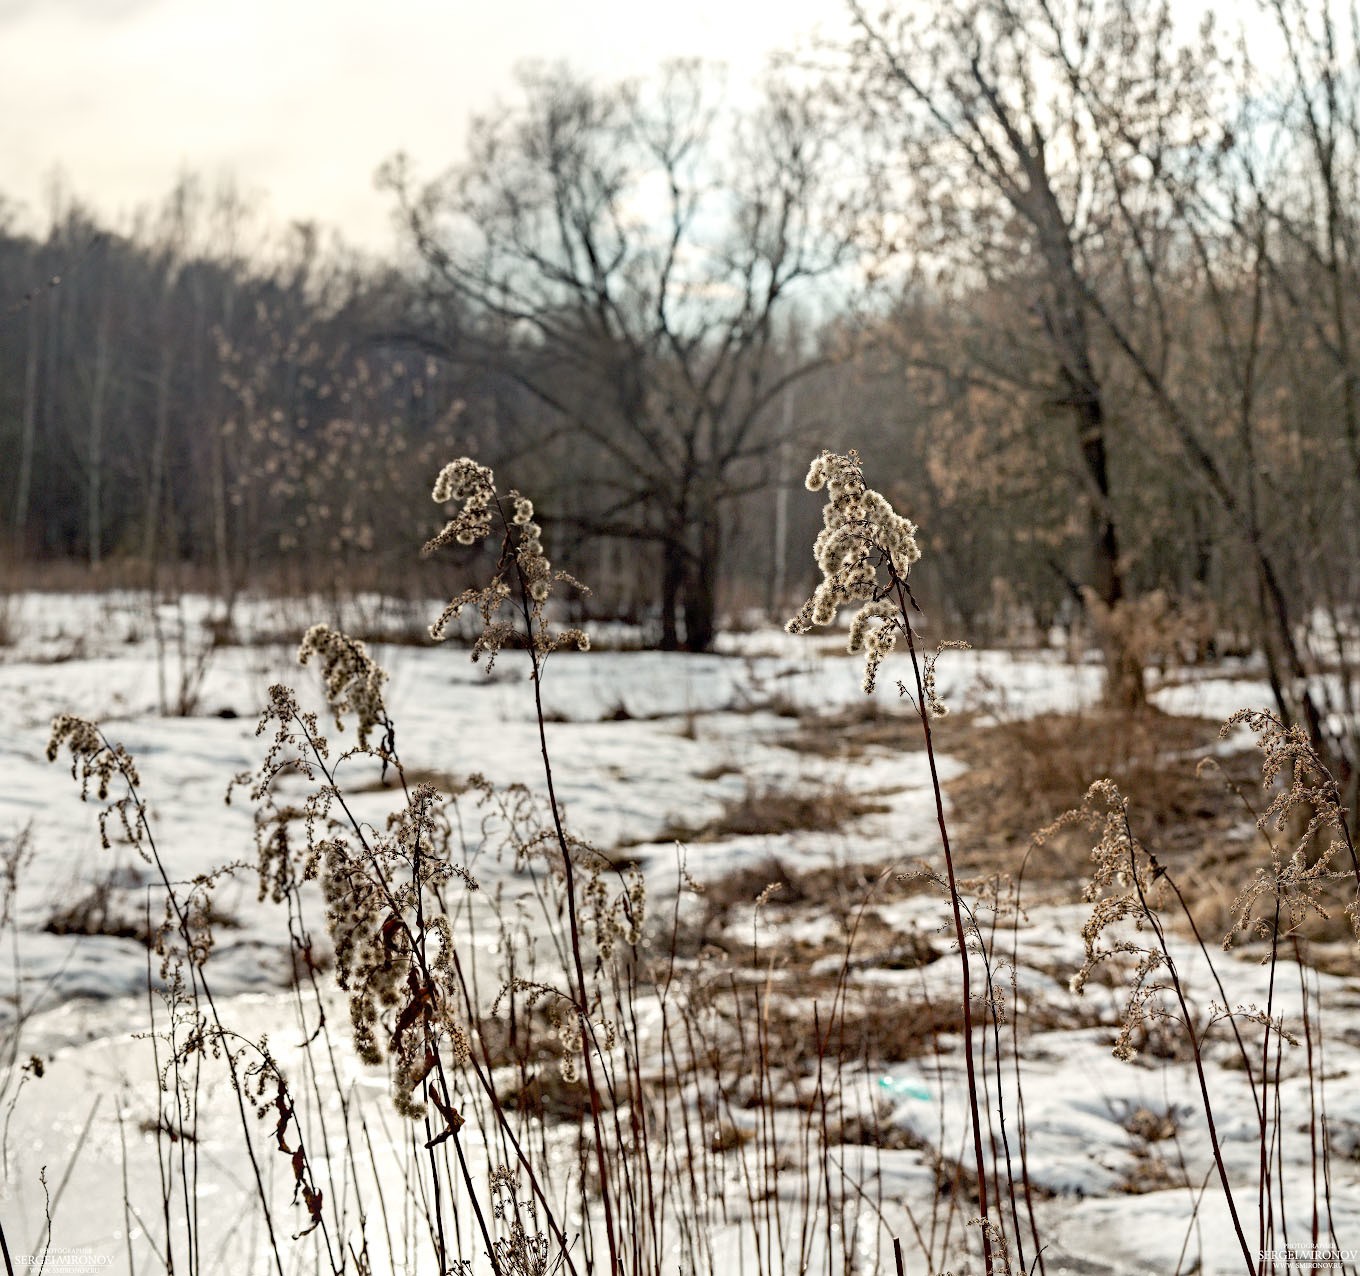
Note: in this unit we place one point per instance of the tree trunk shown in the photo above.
(30, 430)
(55, 397)
(99, 389)
(151, 546)
(1071, 340)
(218, 478)
(1125, 687)
(672, 584)
(701, 588)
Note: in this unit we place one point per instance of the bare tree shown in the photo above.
(625, 258)
(1000, 153)
(1183, 223)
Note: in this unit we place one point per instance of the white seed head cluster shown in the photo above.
(354, 681)
(1308, 804)
(875, 640)
(861, 533)
(401, 992)
(523, 565)
(464, 480)
(383, 888)
(615, 917)
(1126, 886)
(533, 563)
(297, 747)
(933, 704)
(566, 1021)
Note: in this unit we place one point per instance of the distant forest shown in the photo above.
(1083, 289)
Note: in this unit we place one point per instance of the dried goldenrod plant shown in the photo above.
(864, 552)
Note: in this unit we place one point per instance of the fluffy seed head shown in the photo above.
(861, 535)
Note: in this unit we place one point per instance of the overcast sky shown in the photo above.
(300, 100)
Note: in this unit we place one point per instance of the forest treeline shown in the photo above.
(1078, 282)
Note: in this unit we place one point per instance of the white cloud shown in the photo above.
(302, 100)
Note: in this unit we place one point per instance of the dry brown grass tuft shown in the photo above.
(106, 909)
(545, 1094)
(860, 727)
(527, 1055)
(844, 893)
(445, 781)
(870, 1026)
(1022, 775)
(761, 811)
(1150, 1173)
(718, 771)
(1148, 1126)
(878, 1131)
(99, 912)
(886, 1028)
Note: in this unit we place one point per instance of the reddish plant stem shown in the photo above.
(573, 920)
(1188, 1020)
(199, 979)
(904, 602)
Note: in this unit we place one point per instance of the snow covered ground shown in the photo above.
(642, 742)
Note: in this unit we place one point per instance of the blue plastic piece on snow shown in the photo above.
(900, 1089)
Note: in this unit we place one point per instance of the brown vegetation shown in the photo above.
(766, 811)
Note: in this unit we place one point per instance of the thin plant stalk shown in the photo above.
(1188, 1020)
(906, 603)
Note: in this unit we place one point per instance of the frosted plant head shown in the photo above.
(862, 538)
(354, 680)
(523, 570)
(464, 480)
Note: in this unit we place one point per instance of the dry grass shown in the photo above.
(845, 893)
(543, 1093)
(878, 1131)
(99, 912)
(1151, 1127)
(776, 812)
(791, 1029)
(1022, 775)
(861, 727)
(877, 1027)
(444, 781)
(718, 771)
(104, 910)
(1150, 1173)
